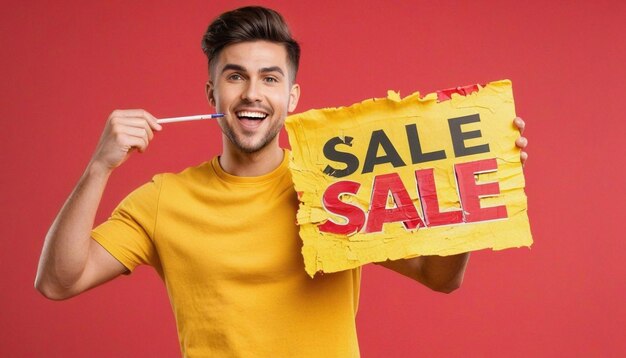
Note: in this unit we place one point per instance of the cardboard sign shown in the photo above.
(395, 178)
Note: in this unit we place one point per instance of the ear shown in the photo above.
(210, 93)
(294, 96)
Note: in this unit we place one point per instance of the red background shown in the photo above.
(66, 67)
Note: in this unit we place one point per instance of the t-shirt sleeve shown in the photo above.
(128, 234)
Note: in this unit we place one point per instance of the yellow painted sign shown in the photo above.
(394, 178)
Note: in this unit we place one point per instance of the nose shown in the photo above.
(252, 92)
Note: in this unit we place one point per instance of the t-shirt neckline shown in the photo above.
(234, 179)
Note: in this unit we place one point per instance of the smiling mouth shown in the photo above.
(251, 115)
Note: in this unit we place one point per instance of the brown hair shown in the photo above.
(251, 23)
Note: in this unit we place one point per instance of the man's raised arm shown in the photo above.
(71, 262)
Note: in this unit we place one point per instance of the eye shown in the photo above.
(234, 77)
(271, 79)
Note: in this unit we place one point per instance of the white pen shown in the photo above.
(190, 118)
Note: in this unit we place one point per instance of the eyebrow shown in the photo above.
(272, 69)
(234, 67)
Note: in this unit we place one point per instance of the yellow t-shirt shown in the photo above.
(227, 248)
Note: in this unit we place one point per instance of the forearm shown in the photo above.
(443, 273)
(70, 261)
(440, 273)
(66, 247)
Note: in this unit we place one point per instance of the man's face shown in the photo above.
(250, 85)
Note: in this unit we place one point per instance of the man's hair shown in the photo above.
(251, 23)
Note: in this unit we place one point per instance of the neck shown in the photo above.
(234, 161)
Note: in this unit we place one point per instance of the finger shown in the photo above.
(520, 124)
(133, 122)
(521, 142)
(123, 135)
(132, 142)
(137, 113)
(138, 132)
(145, 125)
(152, 121)
(523, 156)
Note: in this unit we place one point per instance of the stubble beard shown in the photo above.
(269, 136)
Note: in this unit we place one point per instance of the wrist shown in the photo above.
(98, 170)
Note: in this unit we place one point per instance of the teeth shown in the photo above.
(251, 114)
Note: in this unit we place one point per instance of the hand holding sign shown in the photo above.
(394, 178)
(521, 142)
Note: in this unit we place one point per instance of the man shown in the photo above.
(221, 235)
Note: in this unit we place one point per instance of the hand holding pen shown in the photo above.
(131, 129)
